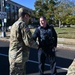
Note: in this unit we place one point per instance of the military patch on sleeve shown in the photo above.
(27, 29)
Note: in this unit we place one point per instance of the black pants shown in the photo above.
(42, 55)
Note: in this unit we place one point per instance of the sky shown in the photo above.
(26, 3)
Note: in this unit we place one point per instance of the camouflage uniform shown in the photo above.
(71, 69)
(20, 42)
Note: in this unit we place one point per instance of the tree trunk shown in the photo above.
(59, 24)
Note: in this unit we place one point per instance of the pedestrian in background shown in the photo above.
(20, 42)
(47, 39)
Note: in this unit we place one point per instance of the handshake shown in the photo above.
(34, 45)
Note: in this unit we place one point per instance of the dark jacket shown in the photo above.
(47, 36)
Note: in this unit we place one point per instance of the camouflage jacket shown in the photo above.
(20, 41)
(71, 69)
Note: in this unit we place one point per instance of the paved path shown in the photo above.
(64, 59)
(70, 47)
(69, 43)
(63, 54)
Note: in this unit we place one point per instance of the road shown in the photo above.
(64, 59)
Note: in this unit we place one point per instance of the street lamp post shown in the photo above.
(3, 2)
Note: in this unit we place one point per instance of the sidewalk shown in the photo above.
(66, 43)
(4, 42)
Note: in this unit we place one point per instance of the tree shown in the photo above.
(55, 10)
(70, 20)
(45, 8)
(63, 10)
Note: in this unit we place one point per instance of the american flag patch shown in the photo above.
(27, 29)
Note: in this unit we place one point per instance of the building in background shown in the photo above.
(12, 11)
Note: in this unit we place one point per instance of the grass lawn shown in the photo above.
(68, 32)
(65, 32)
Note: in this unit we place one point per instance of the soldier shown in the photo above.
(71, 69)
(20, 42)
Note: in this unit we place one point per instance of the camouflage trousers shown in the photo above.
(17, 69)
(71, 69)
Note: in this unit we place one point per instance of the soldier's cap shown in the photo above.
(27, 13)
(22, 11)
